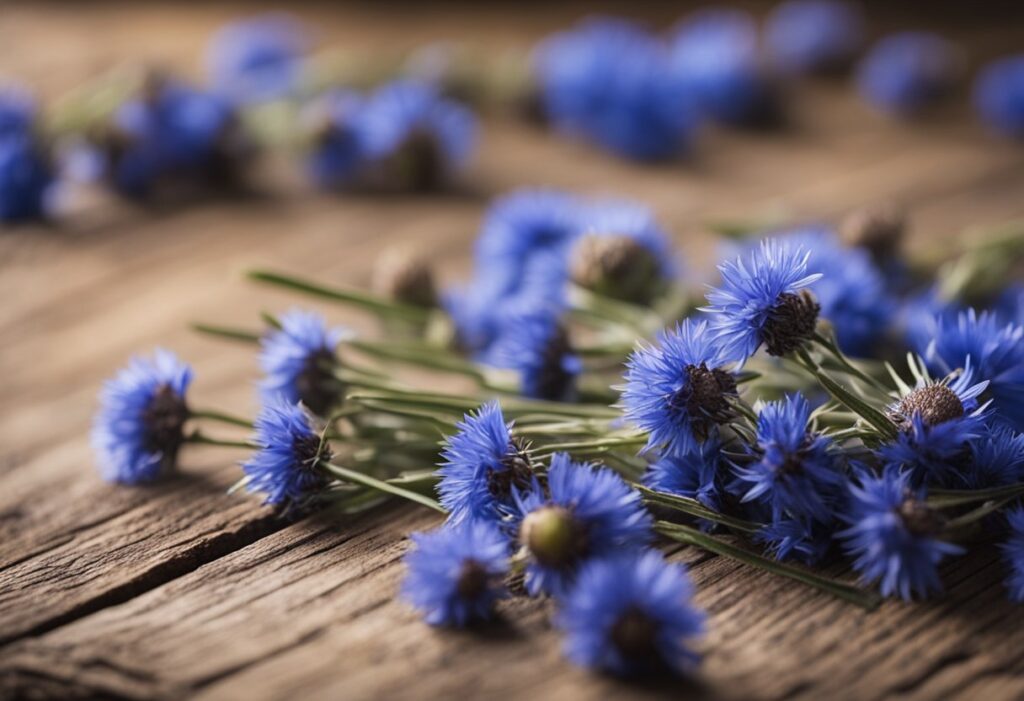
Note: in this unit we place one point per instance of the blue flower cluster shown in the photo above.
(582, 533)
(533, 246)
(26, 168)
(403, 136)
(171, 137)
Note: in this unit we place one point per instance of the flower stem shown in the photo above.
(227, 332)
(873, 416)
(198, 438)
(220, 417)
(694, 508)
(691, 536)
(948, 498)
(830, 346)
(368, 302)
(347, 475)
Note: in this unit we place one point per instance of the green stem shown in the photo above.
(368, 302)
(877, 419)
(691, 536)
(949, 498)
(220, 417)
(694, 508)
(347, 475)
(604, 442)
(233, 334)
(832, 349)
(198, 438)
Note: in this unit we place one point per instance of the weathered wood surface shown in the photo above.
(181, 589)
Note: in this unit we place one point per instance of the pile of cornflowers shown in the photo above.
(827, 399)
(387, 123)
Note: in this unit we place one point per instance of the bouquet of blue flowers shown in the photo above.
(829, 399)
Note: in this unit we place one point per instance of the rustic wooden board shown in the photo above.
(182, 589)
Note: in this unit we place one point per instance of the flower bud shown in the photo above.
(401, 274)
(552, 536)
(616, 266)
(879, 228)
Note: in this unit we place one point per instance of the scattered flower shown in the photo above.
(794, 471)
(414, 139)
(996, 459)
(695, 474)
(537, 346)
(763, 300)
(285, 466)
(903, 74)
(713, 58)
(936, 421)
(680, 390)
(631, 613)
(586, 512)
(138, 429)
(893, 536)
(999, 96)
(996, 352)
(814, 36)
(26, 179)
(482, 464)
(606, 81)
(259, 58)
(299, 359)
(455, 574)
(336, 143)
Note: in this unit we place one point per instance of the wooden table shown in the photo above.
(180, 589)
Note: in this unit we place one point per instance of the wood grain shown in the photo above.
(183, 590)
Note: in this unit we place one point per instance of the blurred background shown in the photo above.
(111, 276)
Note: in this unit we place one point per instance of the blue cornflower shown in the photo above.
(1009, 305)
(524, 233)
(631, 613)
(17, 111)
(298, 358)
(605, 80)
(26, 179)
(414, 137)
(695, 474)
(258, 58)
(999, 96)
(679, 391)
(587, 511)
(536, 345)
(919, 315)
(286, 465)
(621, 251)
(763, 300)
(814, 36)
(894, 535)
(794, 471)
(905, 73)
(936, 421)
(172, 134)
(799, 539)
(455, 574)
(336, 140)
(996, 352)
(997, 458)
(139, 426)
(481, 464)
(713, 57)
(1013, 552)
(852, 290)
